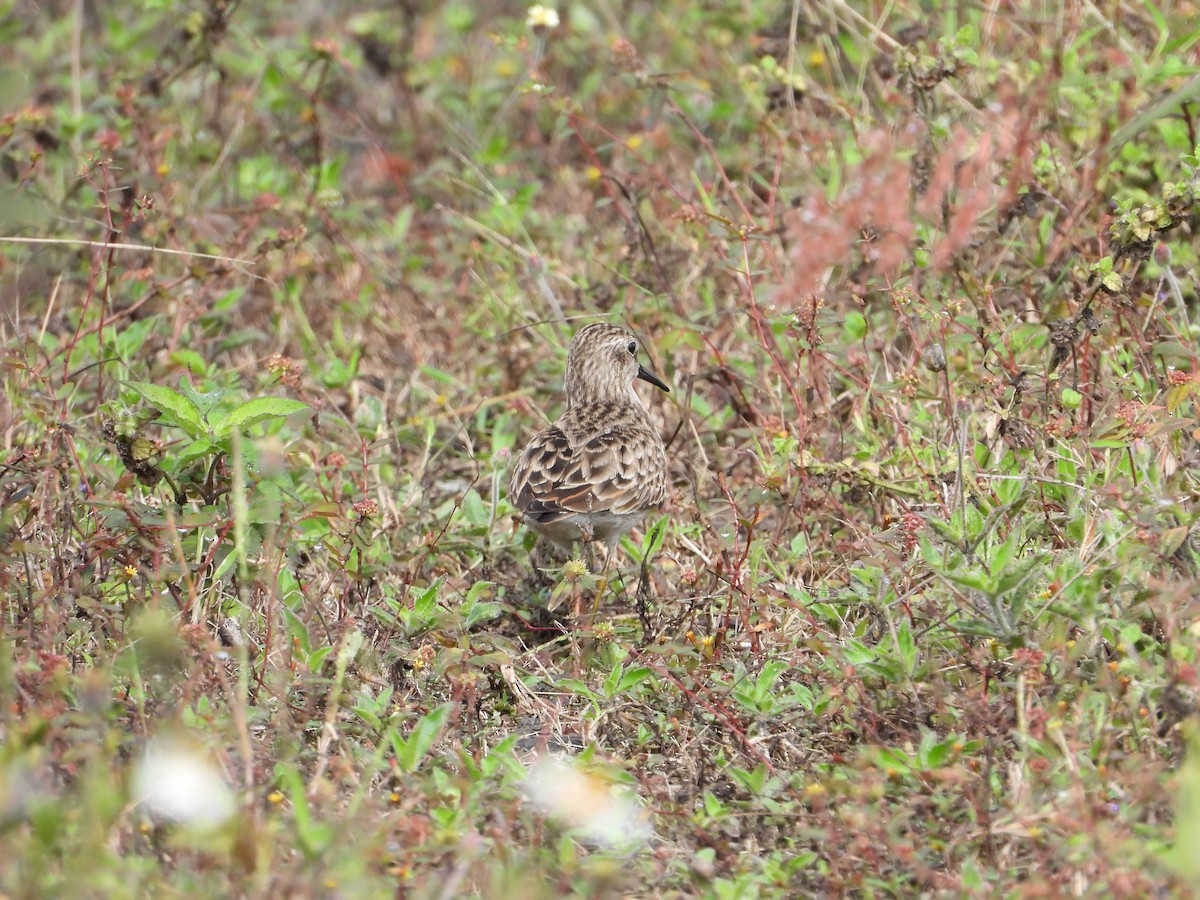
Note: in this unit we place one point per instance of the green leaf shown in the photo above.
(891, 758)
(204, 401)
(856, 326)
(410, 752)
(633, 678)
(1186, 93)
(474, 510)
(1016, 576)
(297, 629)
(578, 687)
(197, 449)
(1178, 394)
(655, 535)
(174, 408)
(190, 360)
(316, 659)
(1005, 554)
(315, 837)
(1071, 399)
(974, 580)
(907, 645)
(859, 654)
(770, 673)
(481, 612)
(425, 608)
(1182, 857)
(936, 755)
(254, 411)
(754, 782)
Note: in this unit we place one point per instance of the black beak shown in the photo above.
(646, 375)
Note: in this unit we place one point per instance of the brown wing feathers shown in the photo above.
(594, 472)
(607, 473)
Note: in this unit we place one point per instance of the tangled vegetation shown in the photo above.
(285, 286)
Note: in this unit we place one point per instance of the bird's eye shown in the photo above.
(632, 348)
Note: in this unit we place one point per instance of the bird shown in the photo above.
(599, 468)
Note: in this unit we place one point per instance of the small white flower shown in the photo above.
(598, 811)
(177, 784)
(539, 17)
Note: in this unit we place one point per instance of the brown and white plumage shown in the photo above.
(595, 472)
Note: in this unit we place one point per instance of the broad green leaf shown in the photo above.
(936, 755)
(473, 508)
(254, 411)
(316, 659)
(578, 687)
(425, 605)
(200, 447)
(190, 360)
(204, 401)
(753, 782)
(856, 326)
(174, 408)
(1016, 577)
(1004, 555)
(975, 580)
(315, 837)
(1172, 540)
(633, 678)
(410, 752)
(891, 758)
(769, 675)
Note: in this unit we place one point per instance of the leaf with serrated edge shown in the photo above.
(175, 409)
(254, 411)
(204, 401)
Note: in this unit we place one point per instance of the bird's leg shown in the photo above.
(602, 584)
(588, 556)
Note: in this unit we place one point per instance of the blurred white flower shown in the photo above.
(600, 811)
(177, 784)
(539, 17)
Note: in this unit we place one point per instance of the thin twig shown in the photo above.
(109, 245)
